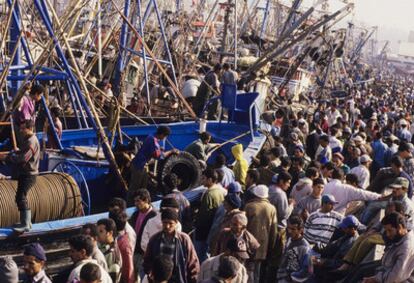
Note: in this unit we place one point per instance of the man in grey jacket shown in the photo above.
(398, 259)
(284, 207)
(25, 167)
(278, 197)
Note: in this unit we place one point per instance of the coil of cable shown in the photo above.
(54, 196)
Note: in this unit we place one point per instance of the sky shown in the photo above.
(387, 13)
(394, 18)
(394, 14)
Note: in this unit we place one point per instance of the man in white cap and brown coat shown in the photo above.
(262, 223)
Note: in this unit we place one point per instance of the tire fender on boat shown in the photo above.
(185, 166)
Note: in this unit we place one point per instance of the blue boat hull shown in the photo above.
(94, 173)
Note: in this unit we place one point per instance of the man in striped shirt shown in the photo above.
(322, 223)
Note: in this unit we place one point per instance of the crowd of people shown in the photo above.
(334, 184)
(313, 207)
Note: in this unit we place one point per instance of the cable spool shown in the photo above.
(54, 196)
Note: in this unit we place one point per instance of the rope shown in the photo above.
(227, 142)
(54, 196)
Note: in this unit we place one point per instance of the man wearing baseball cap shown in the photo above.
(321, 224)
(399, 193)
(34, 259)
(231, 206)
(332, 255)
(234, 188)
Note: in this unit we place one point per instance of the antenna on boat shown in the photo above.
(132, 45)
(157, 63)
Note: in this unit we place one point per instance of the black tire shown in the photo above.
(185, 166)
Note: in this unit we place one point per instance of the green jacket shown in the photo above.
(210, 201)
(198, 149)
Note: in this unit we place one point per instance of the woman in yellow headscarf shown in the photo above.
(241, 166)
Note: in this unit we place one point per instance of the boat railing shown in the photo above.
(241, 107)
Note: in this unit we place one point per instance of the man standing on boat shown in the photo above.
(209, 87)
(201, 147)
(25, 168)
(149, 149)
(26, 109)
(229, 76)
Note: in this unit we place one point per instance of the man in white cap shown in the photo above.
(362, 171)
(262, 223)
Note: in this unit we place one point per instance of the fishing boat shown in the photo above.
(84, 155)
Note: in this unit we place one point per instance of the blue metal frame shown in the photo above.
(16, 73)
(49, 73)
(144, 55)
(120, 66)
(167, 48)
(17, 70)
(39, 4)
(140, 21)
(14, 35)
(243, 103)
(291, 19)
(51, 123)
(76, 106)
